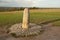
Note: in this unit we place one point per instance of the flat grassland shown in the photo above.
(38, 16)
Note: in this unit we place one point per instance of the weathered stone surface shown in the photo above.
(26, 17)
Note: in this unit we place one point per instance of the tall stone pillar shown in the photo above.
(25, 23)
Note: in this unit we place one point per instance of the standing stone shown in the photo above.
(25, 23)
(23, 29)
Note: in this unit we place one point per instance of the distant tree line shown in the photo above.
(3, 9)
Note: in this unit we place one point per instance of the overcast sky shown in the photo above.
(30, 3)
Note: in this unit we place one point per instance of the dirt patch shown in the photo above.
(50, 33)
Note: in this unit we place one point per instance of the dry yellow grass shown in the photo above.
(45, 10)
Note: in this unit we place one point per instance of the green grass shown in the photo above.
(10, 18)
(40, 17)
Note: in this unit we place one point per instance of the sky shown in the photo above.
(30, 3)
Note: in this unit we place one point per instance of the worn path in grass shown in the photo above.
(50, 33)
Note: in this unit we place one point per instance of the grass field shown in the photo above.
(36, 16)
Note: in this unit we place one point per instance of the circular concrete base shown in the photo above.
(16, 30)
